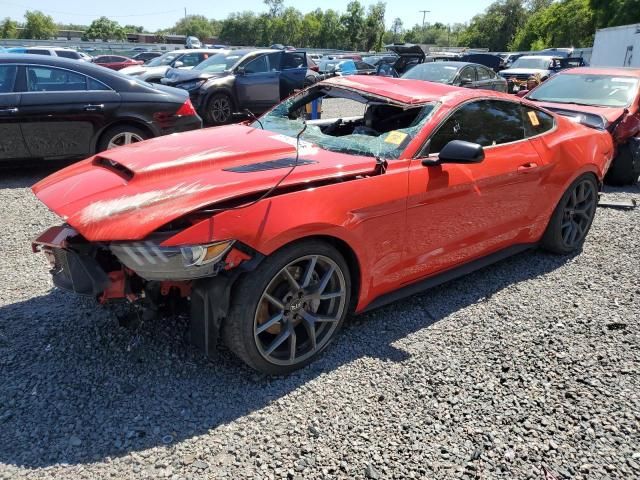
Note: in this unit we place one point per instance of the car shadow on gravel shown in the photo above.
(23, 174)
(76, 388)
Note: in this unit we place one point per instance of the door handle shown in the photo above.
(9, 110)
(94, 107)
(527, 167)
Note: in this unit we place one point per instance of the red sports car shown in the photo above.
(605, 98)
(274, 231)
(115, 62)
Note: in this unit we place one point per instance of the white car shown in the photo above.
(52, 52)
(156, 69)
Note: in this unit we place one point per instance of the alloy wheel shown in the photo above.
(220, 109)
(578, 213)
(299, 310)
(124, 138)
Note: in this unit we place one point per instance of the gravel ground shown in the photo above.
(529, 364)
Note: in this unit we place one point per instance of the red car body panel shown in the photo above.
(119, 65)
(403, 223)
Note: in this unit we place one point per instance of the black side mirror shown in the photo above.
(458, 151)
(464, 83)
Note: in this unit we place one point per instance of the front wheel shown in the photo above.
(572, 218)
(219, 109)
(625, 168)
(119, 136)
(287, 311)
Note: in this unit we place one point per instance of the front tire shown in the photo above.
(625, 169)
(572, 218)
(219, 109)
(287, 311)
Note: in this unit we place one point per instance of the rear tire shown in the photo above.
(572, 218)
(288, 310)
(119, 136)
(219, 109)
(624, 169)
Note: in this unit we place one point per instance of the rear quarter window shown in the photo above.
(536, 122)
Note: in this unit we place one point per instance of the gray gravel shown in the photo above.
(528, 364)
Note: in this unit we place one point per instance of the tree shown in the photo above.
(353, 21)
(374, 27)
(133, 29)
(496, 28)
(568, 23)
(8, 28)
(105, 29)
(611, 13)
(39, 26)
(194, 26)
(276, 7)
(331, 30)
(396, 30)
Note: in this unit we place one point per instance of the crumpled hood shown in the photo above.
(136, 70)
(129, 192)
(175, 76)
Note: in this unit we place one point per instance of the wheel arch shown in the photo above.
(136, 122)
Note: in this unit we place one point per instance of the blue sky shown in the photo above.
(155, 14)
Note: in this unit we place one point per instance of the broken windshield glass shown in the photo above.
(383, 131)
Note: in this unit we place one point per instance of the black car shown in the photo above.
(461, 74)
(146, 56)
(406, 57)
(57, 108)
(233, 81)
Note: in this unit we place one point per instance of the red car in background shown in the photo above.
(115, 62)
(272, 232)
(605, 98)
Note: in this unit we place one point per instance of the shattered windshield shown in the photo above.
(350, 122)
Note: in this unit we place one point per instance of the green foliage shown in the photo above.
(194, 26)
(39, 26)
(496, 28)
(8, 28)
(134, 29)
(104, 29)
(611, 13)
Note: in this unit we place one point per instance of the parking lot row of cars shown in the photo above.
(223, 84)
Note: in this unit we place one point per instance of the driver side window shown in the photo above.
(486, 122)
(259, 65)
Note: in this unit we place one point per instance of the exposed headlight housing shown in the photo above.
(192, 85)
(154, 262)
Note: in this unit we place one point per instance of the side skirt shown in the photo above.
(446, 276)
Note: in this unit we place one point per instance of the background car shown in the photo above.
(542, 66)
(406, 57)
(51, 51)
(461, 74)
(115, 62)
(272, 233)
(238, 80)
(146, 56)
(52, 107)
(193, 42)
(154, 70)
(606, 98)
(345, 67)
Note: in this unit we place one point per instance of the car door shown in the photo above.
(460, 212)
(485, 78)
(293, 71)
(12, 143)
(61, 111)
(466, 78)
(257, 85)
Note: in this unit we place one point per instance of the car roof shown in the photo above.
(408, 91)
(192, 50)
(46, 60)
(623, 71)
(547, 57)
(454, 64)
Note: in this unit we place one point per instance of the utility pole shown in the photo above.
(185, 12)
(424, 14)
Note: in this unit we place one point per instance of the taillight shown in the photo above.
(186, 110)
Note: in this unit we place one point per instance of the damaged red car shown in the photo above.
(603, 98)
(272, 232)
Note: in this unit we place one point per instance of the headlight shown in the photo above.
(192, 85)
(154, 262)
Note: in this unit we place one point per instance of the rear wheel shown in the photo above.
(290, 308)
(625, 169)
(573, 217)
(121, 135)
(219, 109)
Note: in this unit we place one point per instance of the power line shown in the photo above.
(90, 15)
